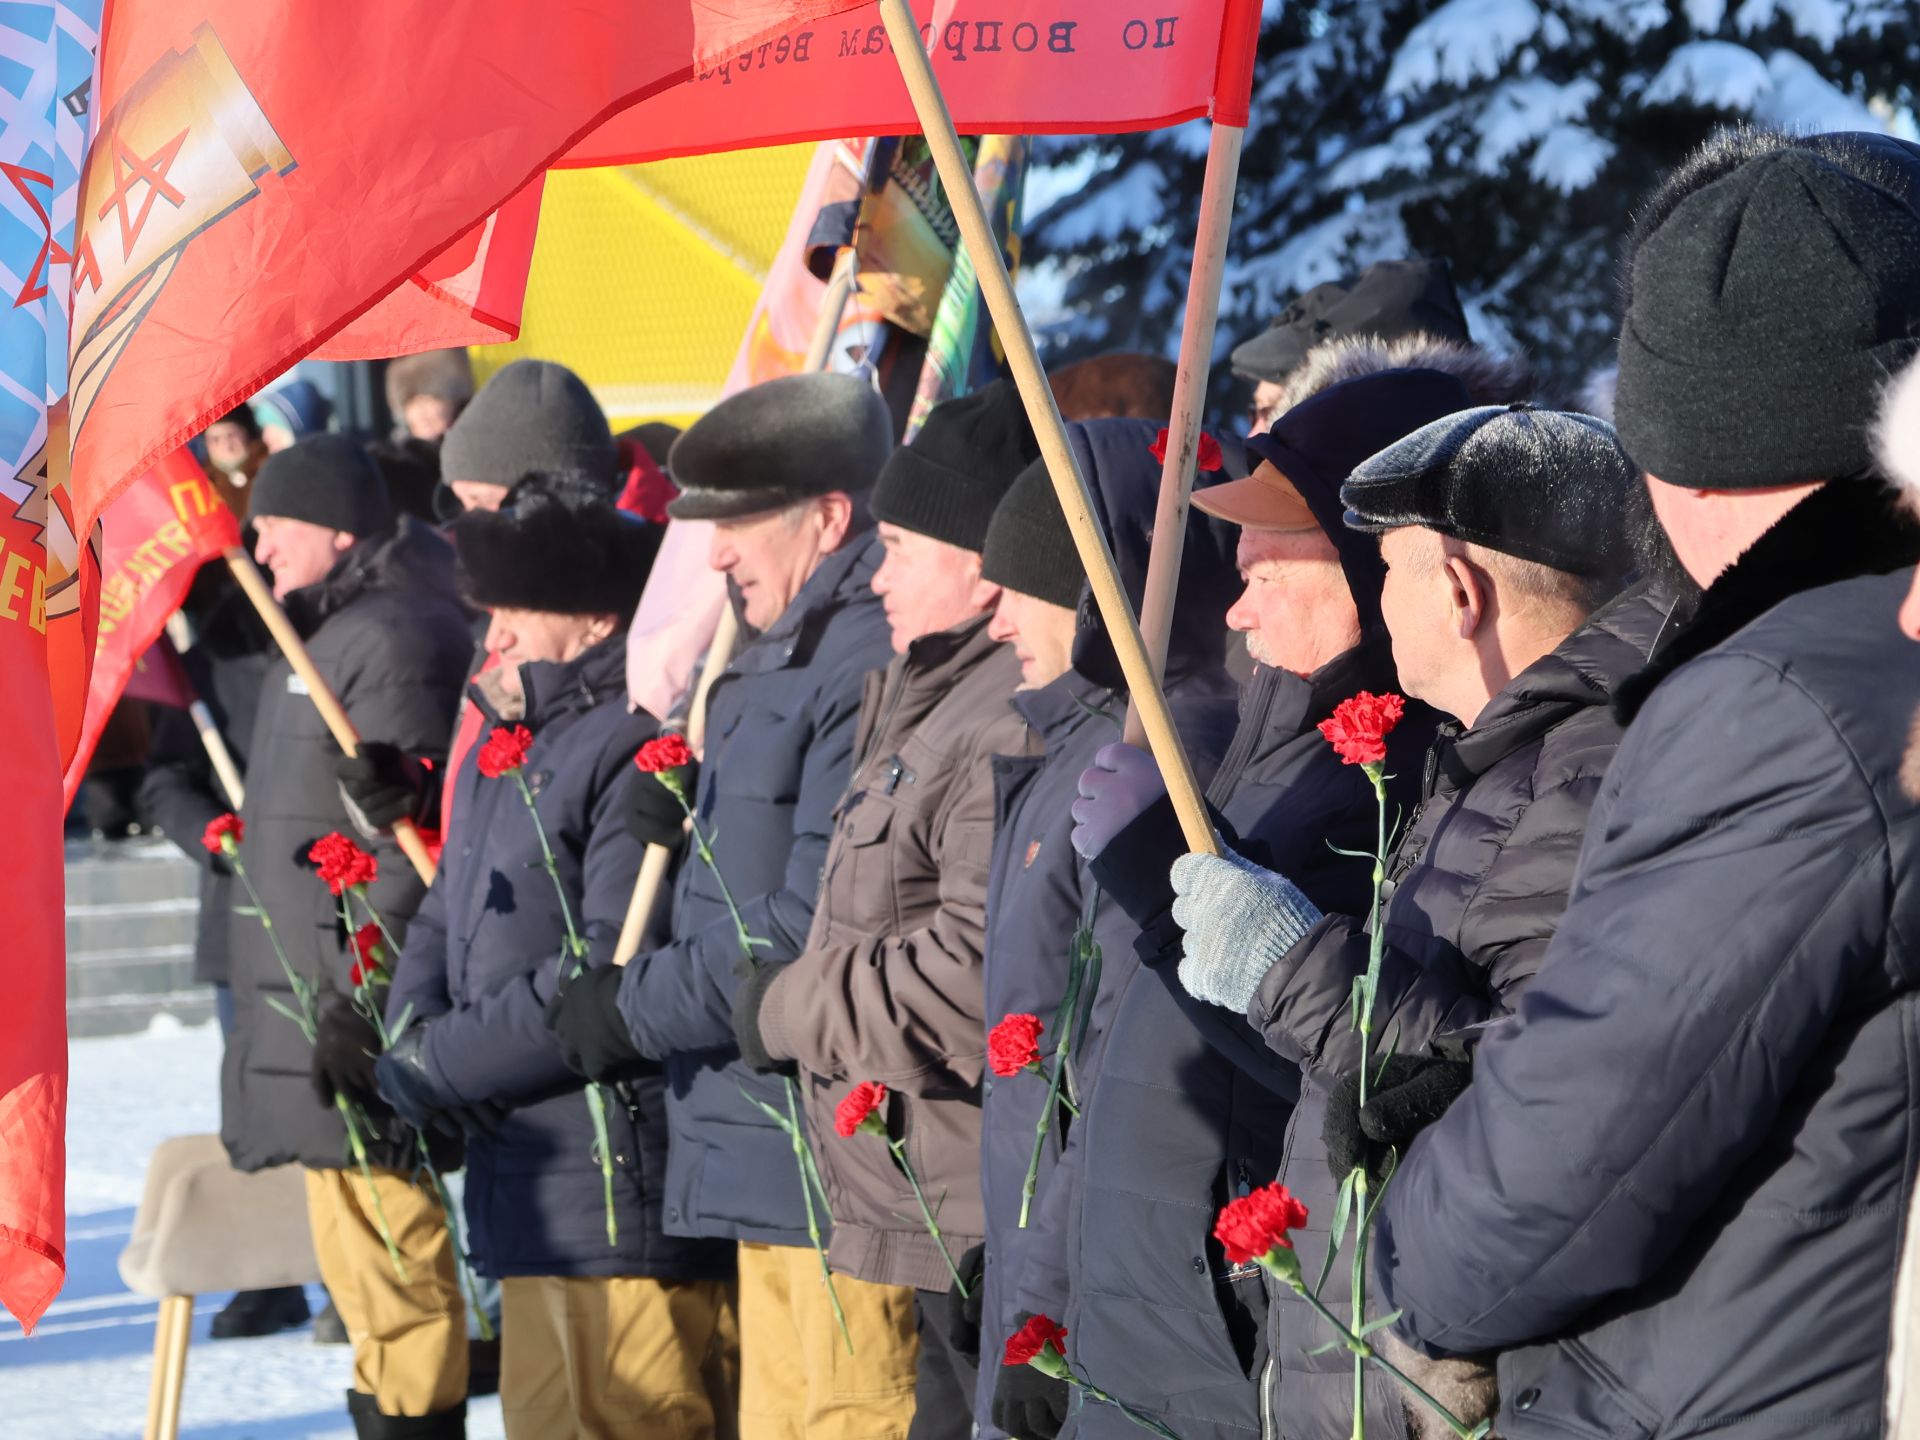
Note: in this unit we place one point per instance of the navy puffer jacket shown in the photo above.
(781, 721)
(483, 957)
(1673, 1196)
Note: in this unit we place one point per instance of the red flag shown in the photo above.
(156, 537)
(240, 206)
(1015, 66)
(159, 678)
(472, 293)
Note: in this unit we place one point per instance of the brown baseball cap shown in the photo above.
(1265, 500)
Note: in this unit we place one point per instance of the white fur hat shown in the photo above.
(1896, 434)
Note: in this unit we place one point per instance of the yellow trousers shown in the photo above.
(409, 1337)
(593, 1358)
(797, 1381)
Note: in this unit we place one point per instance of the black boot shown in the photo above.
(370, 1424)
(261, 1312)
(483, 1367)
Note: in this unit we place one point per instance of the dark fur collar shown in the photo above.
(1845, 529)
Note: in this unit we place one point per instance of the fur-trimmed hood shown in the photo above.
(1844, 530)
(1896, 435)
(1490, 377)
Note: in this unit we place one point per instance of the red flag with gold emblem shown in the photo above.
(262, 175)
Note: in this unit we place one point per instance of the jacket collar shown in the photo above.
(838, 581)
(412, 557)
(1584, 670)
(1845, 529)
(553, 689)
(1057, 710)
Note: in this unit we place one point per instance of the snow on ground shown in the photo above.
(84, 1373)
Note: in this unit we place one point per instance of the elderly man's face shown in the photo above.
(297, 553)
(1041, 634)
(770, 556)
(926, 585)
(1297, 611)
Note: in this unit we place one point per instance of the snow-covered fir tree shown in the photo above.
(1511, 136)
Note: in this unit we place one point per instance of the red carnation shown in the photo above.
(1256, 1225)
(1014, 1044)
(1359, 727)
(505, 751)
(221, 830)
(1033, 1339)
(343, 864)
(1207, 457)
(668, 752)
(370, 948)
(856, 1112)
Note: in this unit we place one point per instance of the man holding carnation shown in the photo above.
(784, 470)
(608, 1327)
(888, 989)
(1501, 532)
(375, 602)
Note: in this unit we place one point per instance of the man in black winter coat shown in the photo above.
(1073, 699)
(604, 1332)
(377, 606)
(1501, 535)
(1673, 1196)
(1174, 1128)
(783, 469)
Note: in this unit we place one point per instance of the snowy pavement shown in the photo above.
(84, 1373)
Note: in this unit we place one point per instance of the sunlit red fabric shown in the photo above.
(158, 534)
(1005, 66)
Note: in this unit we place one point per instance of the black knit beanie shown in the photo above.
(1029, 547)
(326, 480)
(1765, 313)
(947, 482)
(532, 415)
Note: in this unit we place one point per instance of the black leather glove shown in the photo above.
(417, 1098)
(382, 784)
(1028, 1404)
(584, 1016)
(344, 1047)
(963, 1311)
(746, 1023)
(653, 813)
(1412, 1092)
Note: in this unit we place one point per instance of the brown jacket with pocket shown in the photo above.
(889, 987)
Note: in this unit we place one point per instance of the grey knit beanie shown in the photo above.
(532, 415)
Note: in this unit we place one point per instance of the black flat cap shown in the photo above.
(1543, 485)
(780, 442)
(1385, 301)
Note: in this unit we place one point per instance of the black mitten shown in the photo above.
(1410, 1093)
(1029, 1404)
(382, 783)
(963, 1311)
(653, 812)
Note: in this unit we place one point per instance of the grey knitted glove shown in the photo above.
(1240, 922)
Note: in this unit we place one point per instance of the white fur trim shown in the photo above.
(1896, 434)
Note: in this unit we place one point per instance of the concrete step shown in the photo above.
(134, 925)
(128, 872)
(148, 970)
(130, 1014)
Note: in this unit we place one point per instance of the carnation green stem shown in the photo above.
(1070, 1011)
(359, 1147)
(803, 1160)
(1364, 1352)
(303, 995)
(813, 1222)
(577, 948)
(899, 1148)
(1369, 987)
(379, 1022)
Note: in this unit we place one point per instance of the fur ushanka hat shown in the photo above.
(550, 548)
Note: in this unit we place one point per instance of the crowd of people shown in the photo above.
(944, 1031)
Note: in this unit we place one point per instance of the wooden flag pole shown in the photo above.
(405, 833)
(1189, 399)
(653, 864)
(996, 287)
(180, 636)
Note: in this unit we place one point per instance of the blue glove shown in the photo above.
(1119, 787)
(1240, 921)
(405, 1083)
